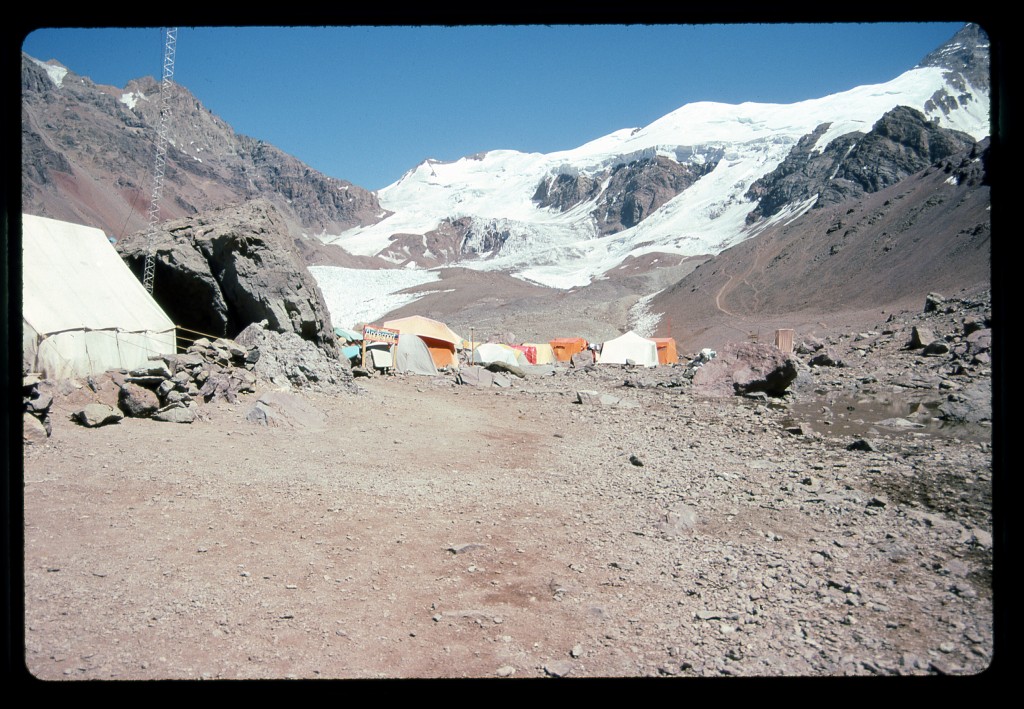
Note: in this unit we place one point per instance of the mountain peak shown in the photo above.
(966, 52)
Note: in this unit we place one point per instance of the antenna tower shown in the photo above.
(170, 42)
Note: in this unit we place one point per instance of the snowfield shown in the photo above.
(355, 296)
(563, 250)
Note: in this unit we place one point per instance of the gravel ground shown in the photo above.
(425, 529)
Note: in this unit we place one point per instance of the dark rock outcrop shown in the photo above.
(446, 244)
(901, 143)
(565, 191)
(634, 190)
(219, 272)
(797, 177)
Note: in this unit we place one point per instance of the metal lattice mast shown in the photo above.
(160, 163)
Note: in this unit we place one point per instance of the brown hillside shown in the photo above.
(836, 267)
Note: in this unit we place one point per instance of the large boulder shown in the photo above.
(138, 401)
(94, 415)
(745, 368)
(33, 430)
(920, 336)
(220, 271)
(176, 413)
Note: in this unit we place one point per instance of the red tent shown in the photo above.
(530, 352)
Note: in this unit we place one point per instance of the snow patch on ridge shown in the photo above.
(131, 98)
(641, 320)
(56, 73)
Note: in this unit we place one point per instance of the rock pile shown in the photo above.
(36, 426)
(170, 387)
(221, 369)
(286, 360)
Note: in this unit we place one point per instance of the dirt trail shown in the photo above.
(226, 550)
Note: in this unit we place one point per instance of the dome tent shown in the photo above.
(439, 338)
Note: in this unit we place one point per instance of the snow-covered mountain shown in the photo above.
(689, 183)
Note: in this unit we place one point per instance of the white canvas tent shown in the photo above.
(83, 310)
(630, 348)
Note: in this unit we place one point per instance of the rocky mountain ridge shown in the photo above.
(901, 143)
(88, 152)
(679, 185)
(880, 252)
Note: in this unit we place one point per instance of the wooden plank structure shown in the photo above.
(784, 340)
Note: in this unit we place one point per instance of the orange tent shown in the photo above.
(666, 350)
(439, 338)
(565, 347)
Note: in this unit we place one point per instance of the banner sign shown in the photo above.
(380, 334)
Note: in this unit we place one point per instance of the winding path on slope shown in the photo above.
(733, 281)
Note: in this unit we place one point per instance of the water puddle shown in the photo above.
(881, 415)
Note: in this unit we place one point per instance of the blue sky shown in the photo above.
(365, 104)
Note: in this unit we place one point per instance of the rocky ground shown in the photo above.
(419, 528)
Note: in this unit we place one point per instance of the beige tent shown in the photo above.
(83, 310)
(411, 355)
(439, 338)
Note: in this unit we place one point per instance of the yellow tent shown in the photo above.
(545, 355)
